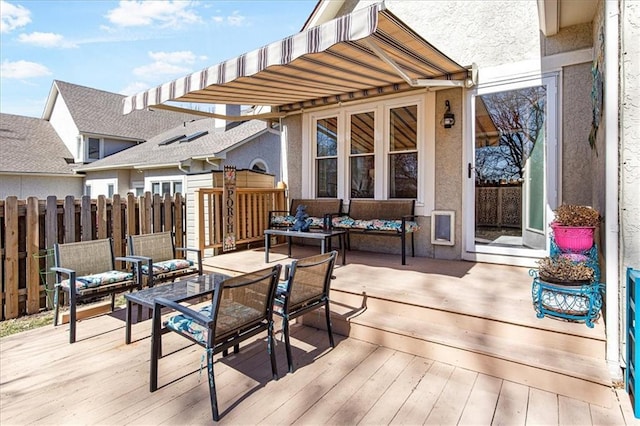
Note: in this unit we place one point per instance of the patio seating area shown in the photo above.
(101, 380)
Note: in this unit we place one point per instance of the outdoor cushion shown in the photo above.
(375, 224)
(232, 315)
(97, 280)
(288, 220)
(168, 266)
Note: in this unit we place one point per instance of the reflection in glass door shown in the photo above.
(510, 169)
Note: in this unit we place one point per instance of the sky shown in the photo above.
(127, 46)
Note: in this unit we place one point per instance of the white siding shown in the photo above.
(66, 128)
(194, 182)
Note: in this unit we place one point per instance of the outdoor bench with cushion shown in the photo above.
(87, 270)
(160, 262)
(319, 210)
(380, 217)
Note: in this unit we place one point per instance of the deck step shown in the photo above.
(562, 363)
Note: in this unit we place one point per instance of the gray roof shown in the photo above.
(31, 145)
(99, 112)
(153, 152)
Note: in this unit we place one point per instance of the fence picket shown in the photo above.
(101, 217)
(69, 220)
(50, 238)
(11, 255)
(33, 256)
(157, 213)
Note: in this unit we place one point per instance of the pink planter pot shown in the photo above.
(573, 239)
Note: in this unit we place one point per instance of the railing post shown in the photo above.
(11, 255)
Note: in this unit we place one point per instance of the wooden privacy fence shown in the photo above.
(29, 228)
(251, 214)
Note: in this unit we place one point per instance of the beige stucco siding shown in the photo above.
(488, 36)
(576, 121)
(39, 186)
(630, 134)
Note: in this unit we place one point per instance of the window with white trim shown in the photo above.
(362, 154)
(166, 187)
(379, 150)
(93, 149)
(403, 152)
(326, 162)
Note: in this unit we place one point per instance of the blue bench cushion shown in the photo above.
(168, 266)
(288, 220)
(345, 222)
(231, 316)
(97, 280)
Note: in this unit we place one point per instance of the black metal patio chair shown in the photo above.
(87, 270)
(306, 287)
(240, 308)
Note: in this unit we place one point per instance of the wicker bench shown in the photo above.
(380, 217)
(319, 210)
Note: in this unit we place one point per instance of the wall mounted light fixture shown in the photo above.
(448, 119)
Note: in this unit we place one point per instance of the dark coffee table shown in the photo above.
(324, 237)
(177, 291)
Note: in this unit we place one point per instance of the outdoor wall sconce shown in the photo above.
(448, 119)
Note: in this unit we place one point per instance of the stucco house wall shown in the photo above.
(265, 147)
(630, 149)
(23, 186)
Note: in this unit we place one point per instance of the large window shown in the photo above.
(403, 152)
(362, 159)
(327, 157)
(379, 150)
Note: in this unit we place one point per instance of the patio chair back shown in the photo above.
(159, 246)
(306, 289)
(310, 279)
(86, 257)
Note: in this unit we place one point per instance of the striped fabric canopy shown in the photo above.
(366, 53)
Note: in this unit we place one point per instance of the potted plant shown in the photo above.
(564, 285)
(565, 269)
(574, 226)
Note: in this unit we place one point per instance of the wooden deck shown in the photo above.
(100, 380)
(394, 371)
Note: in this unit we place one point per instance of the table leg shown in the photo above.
(323, 243)
(127, 335)
(343, 246)
(266, 248)
(289, 245)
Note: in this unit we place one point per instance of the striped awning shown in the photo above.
(366, 53)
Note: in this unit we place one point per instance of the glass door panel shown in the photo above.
(510, 168)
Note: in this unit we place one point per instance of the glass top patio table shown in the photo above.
(177, 291)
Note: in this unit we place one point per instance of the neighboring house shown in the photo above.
(34, 161)
(91, 125)
(164, 163)
(183, 160)
(366, 104)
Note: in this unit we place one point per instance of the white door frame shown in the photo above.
(505, 255)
